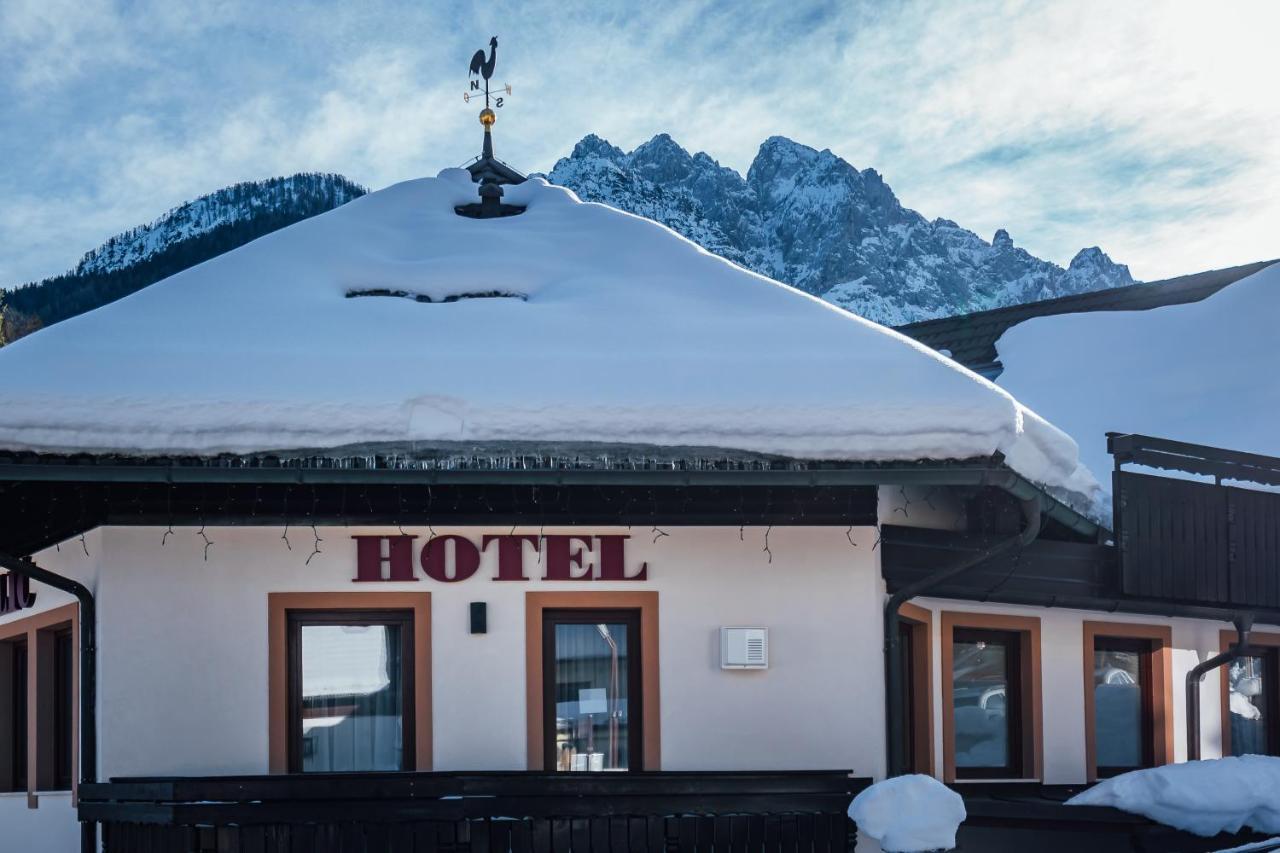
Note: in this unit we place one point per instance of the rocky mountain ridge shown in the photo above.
(799, 215)
(810, 219)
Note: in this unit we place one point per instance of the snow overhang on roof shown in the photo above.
(597, 327)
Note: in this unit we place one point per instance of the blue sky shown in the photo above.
(1149, 128)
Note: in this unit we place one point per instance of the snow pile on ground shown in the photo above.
(1201, 797)
(1205, 372)
(909, 814)
(595, 326)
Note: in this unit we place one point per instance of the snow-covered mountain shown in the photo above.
(810, 219)
(238, 203)
(801, 216)
(185, 236)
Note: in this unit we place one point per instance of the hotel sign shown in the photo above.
(15, 593)
(454, 558)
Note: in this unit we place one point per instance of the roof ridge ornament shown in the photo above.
(487, 170)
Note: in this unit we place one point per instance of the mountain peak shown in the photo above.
(595, 146)
(1092, 269)
(1002, 240)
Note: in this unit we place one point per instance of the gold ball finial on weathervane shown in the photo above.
(487, 118)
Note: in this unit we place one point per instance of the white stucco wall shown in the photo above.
(183, 653)
(1061, 652)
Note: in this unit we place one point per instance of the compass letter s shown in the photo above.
(498, 103)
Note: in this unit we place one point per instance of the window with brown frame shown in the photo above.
(13, 715)
(1251, 698)
(592, 692)
(63, 711)
(1128, 692)
(1122, 705)
(915, 634)
(986, 681)
(351, 690)
(991, 696)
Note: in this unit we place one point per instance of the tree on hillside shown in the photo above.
(15, 324)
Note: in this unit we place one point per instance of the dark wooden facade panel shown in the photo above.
(1200, 543)
(735, 833)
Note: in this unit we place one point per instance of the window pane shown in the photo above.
(906, 652)
(980, 678)
(17, 714)
(352, 703)
(1117, 696)
(592, 666)
(1251, 705)
(63, 689)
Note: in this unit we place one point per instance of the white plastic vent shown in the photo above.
(744, 648)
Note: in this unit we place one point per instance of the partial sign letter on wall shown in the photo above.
(369, 559)
(613, 560)
(435, 558)
(15, 593)
(510, 555)
(561, 558)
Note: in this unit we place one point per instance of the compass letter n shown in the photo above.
(475, 85)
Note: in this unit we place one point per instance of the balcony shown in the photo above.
(491, 812)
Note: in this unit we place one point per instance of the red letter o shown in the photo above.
(435, 558)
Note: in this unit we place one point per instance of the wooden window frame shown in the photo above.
(1269, 641)
(536, 603)
(1031, 724)
(635, 677)
(1158, 698)
(279, 606)
(403, 619)
(919, 622)
(38, 631)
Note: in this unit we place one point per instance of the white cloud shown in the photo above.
(1145, 128)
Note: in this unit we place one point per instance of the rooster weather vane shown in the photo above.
(487, 170)
(484, 68)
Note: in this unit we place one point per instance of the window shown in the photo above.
(1128, 683)
(38, 696)
(1121, 704)
(1252, 707)
(63, 728)
(986, 686)
(13, 715)
(915, 633)
(349, 681)
(591, 691)
(991, 696)
(591, 676)
(351, 690)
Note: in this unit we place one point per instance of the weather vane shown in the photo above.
(484, 68)
(486, 170)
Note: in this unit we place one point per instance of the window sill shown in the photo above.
(1011, 781)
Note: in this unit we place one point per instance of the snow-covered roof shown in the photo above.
(613, 329)
(1205, 372)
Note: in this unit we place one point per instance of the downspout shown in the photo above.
(895, 722)
(1238, 649)
(88, 675)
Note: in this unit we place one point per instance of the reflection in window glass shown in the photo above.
(352, 704)
(1117, 703)
(592, 669)
(1252, 705)
(985, 736)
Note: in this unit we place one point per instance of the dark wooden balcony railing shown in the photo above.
(478, 813)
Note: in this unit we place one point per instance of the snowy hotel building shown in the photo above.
(406, 527)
